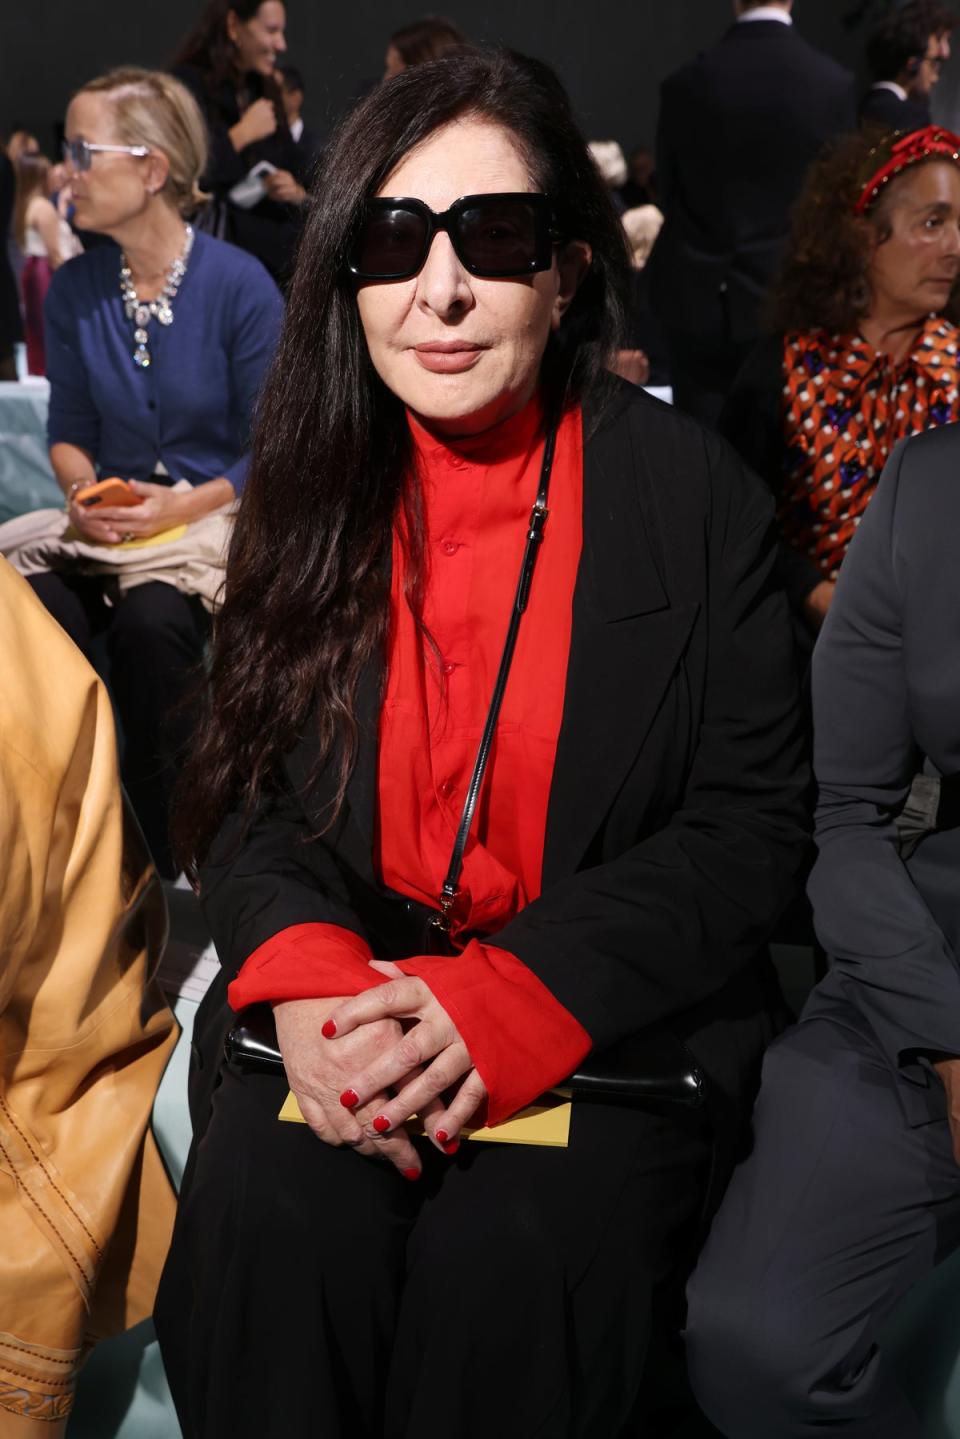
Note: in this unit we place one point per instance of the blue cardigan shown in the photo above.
(192, 409)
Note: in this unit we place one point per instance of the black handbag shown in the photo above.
(651, 1065)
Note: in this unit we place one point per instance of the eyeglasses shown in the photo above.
(494, 236)
(80, 153)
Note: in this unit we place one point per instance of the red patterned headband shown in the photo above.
(919, 145)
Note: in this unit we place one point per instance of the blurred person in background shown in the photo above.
(155, 354)
(45, 241)
(21, 142)
(639, 188)
(609, 160)
(11, 324)
(229, 63)
(865, 350)
(294, 93)
(738, 128)
(906, 53)
(422, 40)
(644, 359)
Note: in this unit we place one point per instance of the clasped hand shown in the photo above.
(361, 1068)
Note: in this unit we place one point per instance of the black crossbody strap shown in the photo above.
(538, 520)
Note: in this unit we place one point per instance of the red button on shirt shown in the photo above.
(521, 1039)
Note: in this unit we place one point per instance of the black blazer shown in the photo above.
(738, 128)
(883, 107)
(677, 816)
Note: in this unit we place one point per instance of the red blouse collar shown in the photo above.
(511, 439)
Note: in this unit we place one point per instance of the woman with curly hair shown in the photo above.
(866, 345)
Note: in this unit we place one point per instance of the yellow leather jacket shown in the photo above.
(86, 1207)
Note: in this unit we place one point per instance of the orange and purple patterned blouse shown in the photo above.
(845, 406)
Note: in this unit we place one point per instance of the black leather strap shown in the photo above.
(538, 520)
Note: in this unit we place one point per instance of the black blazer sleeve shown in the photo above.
(671, 920)
(870, 915)
(257, 881)
(224, 165)
(750, 420)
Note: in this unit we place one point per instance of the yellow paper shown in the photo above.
(163, 538)
(547, 1123)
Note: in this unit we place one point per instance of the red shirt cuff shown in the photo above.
(306, 961)
(521, 1039)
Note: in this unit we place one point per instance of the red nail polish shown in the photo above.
(329, 1029)
(349, 1098)
(411, 1174)
(452, 1147)
(381, 1124)
(442, 1136)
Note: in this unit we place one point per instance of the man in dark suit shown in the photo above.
(738, 128)
(906, 53)
(293, 91)
(851, 1191)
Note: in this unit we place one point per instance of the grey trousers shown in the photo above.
(840, 1208)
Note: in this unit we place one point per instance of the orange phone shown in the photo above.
(108, 492)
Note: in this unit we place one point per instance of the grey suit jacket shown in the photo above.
(886, 693)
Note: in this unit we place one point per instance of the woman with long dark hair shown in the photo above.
(229, 62)
(440, 412)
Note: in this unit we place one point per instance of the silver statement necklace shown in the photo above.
(141, 312)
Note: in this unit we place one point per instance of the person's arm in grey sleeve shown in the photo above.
(869, 915)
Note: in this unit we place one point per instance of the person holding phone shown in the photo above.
(155, 355)
(229, 63)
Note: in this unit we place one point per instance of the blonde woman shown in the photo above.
(155, 356)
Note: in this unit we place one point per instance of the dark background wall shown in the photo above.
(612, 54)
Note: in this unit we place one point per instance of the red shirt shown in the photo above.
(477, 496)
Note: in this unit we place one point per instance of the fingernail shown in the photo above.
(381, 1124)
(411, 1173)
(329, 1029)
(442, 1136)
(452, 1147)
(349, 1098)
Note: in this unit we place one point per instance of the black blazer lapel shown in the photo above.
(361, 796)
(625, 645)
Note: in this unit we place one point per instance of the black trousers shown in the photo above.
(154, 639)
(508, 1292)
(842, 1206)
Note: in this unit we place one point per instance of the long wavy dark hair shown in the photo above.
(824, 283)
(209, 48)
(307, 588)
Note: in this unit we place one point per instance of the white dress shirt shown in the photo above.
(892, 85)
(767, 12)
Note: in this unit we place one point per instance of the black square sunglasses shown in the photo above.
(494, 236)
